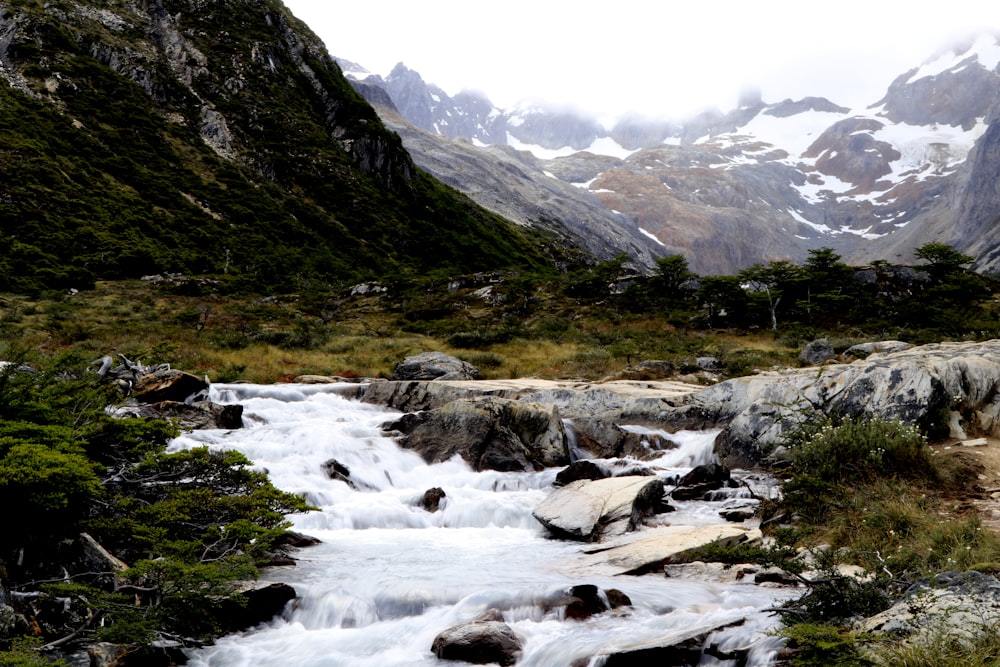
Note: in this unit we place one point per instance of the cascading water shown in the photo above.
(390, 575)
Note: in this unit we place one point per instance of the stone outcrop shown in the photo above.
(956, 604)
(948, 389)
(483, 640)
(490, 433)
(434, 366)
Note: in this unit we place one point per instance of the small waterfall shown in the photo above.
(389, 575)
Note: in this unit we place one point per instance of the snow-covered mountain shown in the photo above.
(773, 180)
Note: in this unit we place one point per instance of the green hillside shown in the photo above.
(181, 137)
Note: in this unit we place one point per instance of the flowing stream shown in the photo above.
(390, 575)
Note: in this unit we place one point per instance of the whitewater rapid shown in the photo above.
(389, 575)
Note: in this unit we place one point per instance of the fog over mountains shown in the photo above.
(767, 180)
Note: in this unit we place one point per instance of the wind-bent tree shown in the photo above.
(768, 284)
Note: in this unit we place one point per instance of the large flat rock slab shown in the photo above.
(573, 398)
(649, 550)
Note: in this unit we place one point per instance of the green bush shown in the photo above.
(862, 450)
(818, 645)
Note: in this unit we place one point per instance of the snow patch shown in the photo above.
(985, 49)
(645, 233)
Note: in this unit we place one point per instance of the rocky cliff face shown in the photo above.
(774, 180)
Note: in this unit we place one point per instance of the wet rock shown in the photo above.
(431, 500)
(489, 433)
(434, 366)
(336, 470)
(260, 605)
(586, 600)
(617, 599)
(700, 481)
(196, 415)
(737, 514)
(605, 439)
(584, 469)
(168, 385)
(651, 549)
(296, 540)
(483, 640)
(587, 510)
(649, 502)
(682, 648)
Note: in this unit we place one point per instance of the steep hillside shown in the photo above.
(513, 184)
(139, 137)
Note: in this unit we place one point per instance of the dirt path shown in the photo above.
(985, 499)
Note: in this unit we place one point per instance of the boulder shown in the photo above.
(431, 500)
(583, 469)
(817, 352)
(709, 364)
(700, 481)
(196, 415)
(485, 639)
(649, 502)
(489, 433)
(585, 601)
(587, 510)
(738, 514)
(657, 368)
(165, 384)
(434, 366)
(259, 605)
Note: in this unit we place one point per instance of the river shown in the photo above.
(389, 575)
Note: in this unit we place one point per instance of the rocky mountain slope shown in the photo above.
(512, 184)
(174, 135)
(773, 180)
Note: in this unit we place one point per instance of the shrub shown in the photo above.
(862, 450)
(822, 645)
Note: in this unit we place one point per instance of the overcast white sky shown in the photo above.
(656, 57)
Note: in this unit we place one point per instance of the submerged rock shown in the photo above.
(431, 500)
